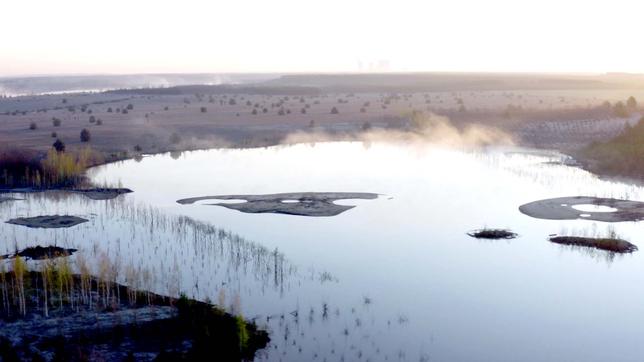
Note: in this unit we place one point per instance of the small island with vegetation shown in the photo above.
(486, 233)
(611, 244)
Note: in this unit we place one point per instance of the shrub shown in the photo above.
(204, 109)
(92, 119)
(33, 126)
(334, 110)
(99, 122)
(130, 107)
(631, 102)
(59, 146)
(54, 134)
(85, 136)
(56, 122)
(109, 110)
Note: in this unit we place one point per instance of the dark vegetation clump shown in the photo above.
(59, 146)
(622, 155)
(215, 333)
(492, 234)
(614, 245)
(38, 170)
(19, 167)
(85, 136)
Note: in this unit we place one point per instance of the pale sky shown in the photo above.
(152, 36)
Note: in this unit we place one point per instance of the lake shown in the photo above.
(396, 278)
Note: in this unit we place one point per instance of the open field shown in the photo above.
(552, 114)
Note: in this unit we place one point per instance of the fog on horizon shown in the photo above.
(72, 37)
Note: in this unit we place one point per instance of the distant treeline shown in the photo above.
(222, 89)
(442, 82)
(81, 83)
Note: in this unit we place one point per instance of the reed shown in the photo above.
(19, 270)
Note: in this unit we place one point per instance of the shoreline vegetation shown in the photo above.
(55, 169)
(622, 155)
(57, 314)
(23, 171)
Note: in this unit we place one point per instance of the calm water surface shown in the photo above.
(395, 278)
